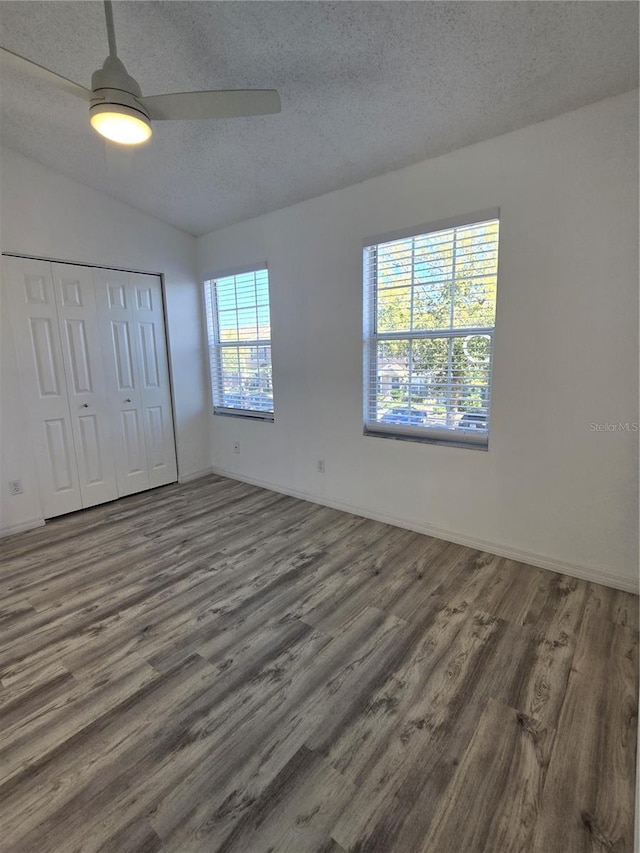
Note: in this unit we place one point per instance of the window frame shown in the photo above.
(371, 338)
(215, 345)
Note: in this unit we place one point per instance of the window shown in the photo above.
(239, 330)
(430, 304)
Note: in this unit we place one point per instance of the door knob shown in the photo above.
(85, 405)
(128, 400)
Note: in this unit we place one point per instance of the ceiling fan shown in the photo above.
(119, 112)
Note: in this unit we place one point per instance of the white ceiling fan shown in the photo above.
(119, 112)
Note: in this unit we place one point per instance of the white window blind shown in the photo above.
(429, 318)
(239, 330)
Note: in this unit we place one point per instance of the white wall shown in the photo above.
(44, 213)
(549, 489)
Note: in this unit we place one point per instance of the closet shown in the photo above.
(92, 357)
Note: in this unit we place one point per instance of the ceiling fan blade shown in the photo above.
(44, 74)
(206, 105)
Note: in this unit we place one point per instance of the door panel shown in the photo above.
(150, 341)
(123, 355)
(90, 438)
(70, 292)
(40, 360)
(149, 352)
(59, 442)
(144, 297)
(114, 301)
(133, 442)
(47, 365)
(34, 287)
(82, 356)
(156, 434)
(117, 291)
(76, 340)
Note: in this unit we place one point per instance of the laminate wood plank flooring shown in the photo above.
(513, 751)
(217, 667)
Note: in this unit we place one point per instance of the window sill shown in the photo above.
(245, 414)
(427, 439)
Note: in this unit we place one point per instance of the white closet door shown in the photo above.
(42, 374)
(151, 347)
(78, 324)
(114, 297)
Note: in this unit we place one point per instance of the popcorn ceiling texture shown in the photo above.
(366, 88)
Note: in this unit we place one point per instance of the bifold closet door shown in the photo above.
(132, 333)
(88, 403)
(34, 317)
(94, 372)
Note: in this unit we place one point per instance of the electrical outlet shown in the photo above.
(320, 466)
(15, 487)
(236, 447)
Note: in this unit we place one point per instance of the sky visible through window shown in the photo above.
(243, 306)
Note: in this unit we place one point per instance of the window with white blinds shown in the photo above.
(429, 317)
(239, 329)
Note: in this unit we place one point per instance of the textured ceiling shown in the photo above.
(366, 87)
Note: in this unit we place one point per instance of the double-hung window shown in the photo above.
(239, 332)
(429, 318)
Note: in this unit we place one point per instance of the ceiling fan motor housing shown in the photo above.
(113, 85)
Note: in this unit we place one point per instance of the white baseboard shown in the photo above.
(581, 572)
(195, 475)
(20, 528)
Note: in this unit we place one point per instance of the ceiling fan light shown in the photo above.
(120, 123)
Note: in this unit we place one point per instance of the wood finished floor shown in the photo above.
(216, 667)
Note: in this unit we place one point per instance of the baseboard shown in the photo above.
(21, 528)
(581, 572)
(196, 475)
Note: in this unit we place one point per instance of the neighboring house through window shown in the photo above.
(239, 332)
(429, 319)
